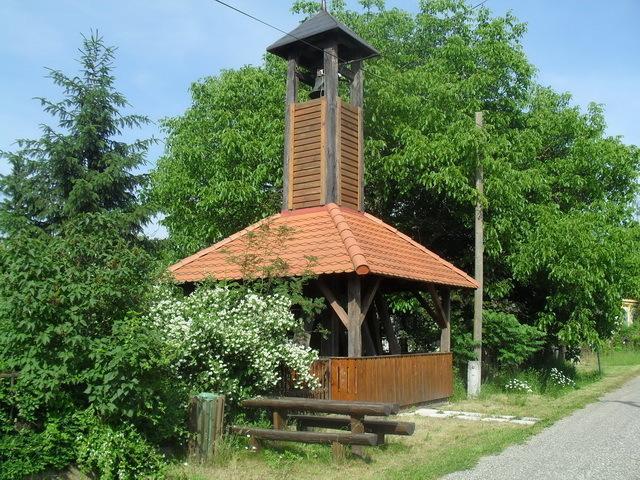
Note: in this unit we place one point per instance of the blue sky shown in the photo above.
(587, 47)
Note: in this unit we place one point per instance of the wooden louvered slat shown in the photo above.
(310, 167)
(304, 149)
(306, 135)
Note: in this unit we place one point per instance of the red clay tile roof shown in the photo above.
(339, 240)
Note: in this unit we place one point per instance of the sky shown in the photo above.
(586, 47)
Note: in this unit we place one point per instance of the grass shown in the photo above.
(439, 446)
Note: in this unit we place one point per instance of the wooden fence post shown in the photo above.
(206, 421)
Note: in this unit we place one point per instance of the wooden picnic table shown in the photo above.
(351, 417)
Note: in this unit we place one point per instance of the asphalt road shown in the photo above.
(601, 441)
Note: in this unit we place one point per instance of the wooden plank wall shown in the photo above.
(402, 379)
(350, 145)
(320, 369)
(306, 172)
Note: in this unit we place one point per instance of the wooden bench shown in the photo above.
(351, 416)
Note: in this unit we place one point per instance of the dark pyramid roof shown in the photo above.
(316, 31)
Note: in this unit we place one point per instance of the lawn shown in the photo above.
(439, 446)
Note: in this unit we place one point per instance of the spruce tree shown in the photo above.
(82, 166)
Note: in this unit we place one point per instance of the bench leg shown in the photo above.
(254, 444)
(357, 426)
(338, 451)
(279, 419)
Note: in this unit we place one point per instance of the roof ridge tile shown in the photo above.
(356, 254)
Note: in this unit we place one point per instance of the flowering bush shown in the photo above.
(559, 379)
(518, 386)
(231, 340)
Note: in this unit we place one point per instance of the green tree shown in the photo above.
(84, 166)
(558, 192)
(73, 274)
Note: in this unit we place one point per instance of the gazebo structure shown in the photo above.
(354, 257)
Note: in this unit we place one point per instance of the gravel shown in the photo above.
(601, 441)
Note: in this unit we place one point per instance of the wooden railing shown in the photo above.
(403, 379)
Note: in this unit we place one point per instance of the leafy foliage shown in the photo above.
(83, 167)
(66, 327)
(118, 453)
(223, 159)
(506, 342)
(26, 452)
(561, 240)
(72, 272)
(59, 295)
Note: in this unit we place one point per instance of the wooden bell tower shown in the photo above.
(323, 147)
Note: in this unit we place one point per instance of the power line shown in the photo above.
(263, 22)
(479, 5)
(246, 14)
(253, 17)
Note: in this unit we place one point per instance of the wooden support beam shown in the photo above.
(439, 309)
(374, 327)
(290, 99)
(332, 99)
(369, 299)
(354, 312)
(331, 298)
(392, 338)
(356, 89)
(336, 334)
(439, 319)
(356, 92)
(367, 340)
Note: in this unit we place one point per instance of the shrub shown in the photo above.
(231, 340)
(626, 337)
(28, 451)
(118, 453)
(508, 343)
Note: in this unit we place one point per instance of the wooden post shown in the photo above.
(474, 373)
(356, 92)
(383, 310)
(368, 343)
(331, 97)
(290, 98)
(336, 333)
(374, 327)
(445, 333)
(206, 419)
(354, 312)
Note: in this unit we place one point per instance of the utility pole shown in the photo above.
(474, 370)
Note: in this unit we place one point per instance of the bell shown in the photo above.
(318, 86)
